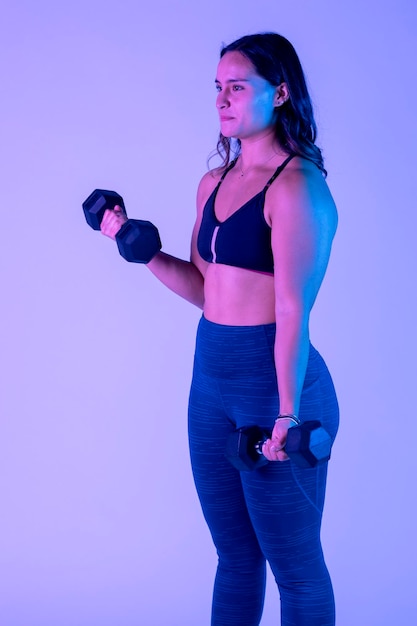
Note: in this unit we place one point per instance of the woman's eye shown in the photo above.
(237, 87)
(218, 88)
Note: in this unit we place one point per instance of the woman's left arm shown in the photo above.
(303, 218)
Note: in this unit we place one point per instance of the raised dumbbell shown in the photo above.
(307, 445)
(138, 240)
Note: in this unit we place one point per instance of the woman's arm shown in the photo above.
(304, 220)
(185, 278)
(182, 277)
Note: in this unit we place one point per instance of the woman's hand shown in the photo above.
(112, 221)
(273, 448)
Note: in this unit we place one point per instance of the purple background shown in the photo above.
(99, 521)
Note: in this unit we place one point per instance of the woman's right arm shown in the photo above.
(185, 278)
(182, 277)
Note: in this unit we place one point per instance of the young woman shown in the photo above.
(259, 251)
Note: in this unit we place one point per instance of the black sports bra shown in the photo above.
(244, 238)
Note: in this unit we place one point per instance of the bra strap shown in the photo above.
(228, 168)
(278, 171)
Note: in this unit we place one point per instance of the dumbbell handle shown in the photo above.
(259, 444)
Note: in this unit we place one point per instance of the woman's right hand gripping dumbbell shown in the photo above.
(138, 240)
(113, 220)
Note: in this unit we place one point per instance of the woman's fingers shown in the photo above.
(273, 450)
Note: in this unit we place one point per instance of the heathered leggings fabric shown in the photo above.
(270, 514)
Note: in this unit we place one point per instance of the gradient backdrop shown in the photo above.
(99, 522)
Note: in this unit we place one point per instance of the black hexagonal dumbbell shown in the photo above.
(138, 240)
(307, 445)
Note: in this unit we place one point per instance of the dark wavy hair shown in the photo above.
(275, 59)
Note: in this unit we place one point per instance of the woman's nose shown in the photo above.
(221, 100)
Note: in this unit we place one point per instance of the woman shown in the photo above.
(259, 251)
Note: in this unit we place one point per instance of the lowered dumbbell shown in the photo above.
(138, 240)
(307, 445)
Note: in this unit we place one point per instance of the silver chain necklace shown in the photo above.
(242, 173)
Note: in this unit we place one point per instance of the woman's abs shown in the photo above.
(238, 297)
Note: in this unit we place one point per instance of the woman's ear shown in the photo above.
(282, 94)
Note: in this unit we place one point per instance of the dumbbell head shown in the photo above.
(309, 444)
(97, 203)
(138, 241)
(241, 448)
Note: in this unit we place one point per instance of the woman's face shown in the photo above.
(245, 100)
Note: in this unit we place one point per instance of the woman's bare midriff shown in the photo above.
(238, 297)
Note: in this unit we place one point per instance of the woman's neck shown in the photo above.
(258, 151)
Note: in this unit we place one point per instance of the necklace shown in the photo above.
(243, 172)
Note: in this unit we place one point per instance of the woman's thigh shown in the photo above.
(218, 483)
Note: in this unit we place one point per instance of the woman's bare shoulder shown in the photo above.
(301, 181)
(300, 170)
(300, 196)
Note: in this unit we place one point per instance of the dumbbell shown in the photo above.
(307, 445)
(138, 240)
